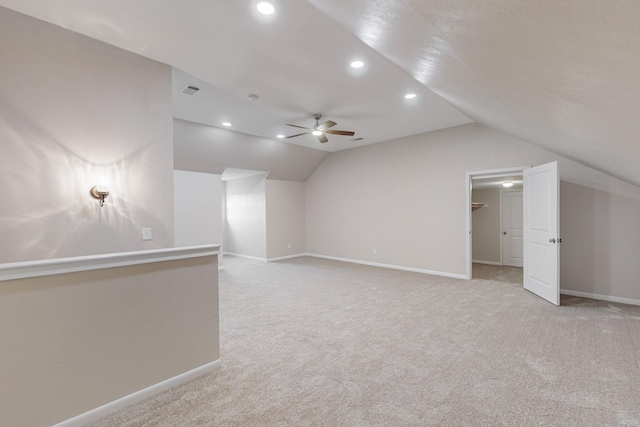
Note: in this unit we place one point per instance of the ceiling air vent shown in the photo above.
(190, 90)
(357, 139)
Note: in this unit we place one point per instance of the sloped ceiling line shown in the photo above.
(562, 75)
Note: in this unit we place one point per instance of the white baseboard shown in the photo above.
(394, 267)
(117, 405)
(254, 258)
(477, 261)
(600, 297)
(281, 258)
(265, 259)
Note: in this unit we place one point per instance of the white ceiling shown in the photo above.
(496, 182)
(296, 61)
(563, 75)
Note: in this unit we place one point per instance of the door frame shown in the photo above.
(490, 173)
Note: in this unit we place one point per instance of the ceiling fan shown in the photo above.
(319, 130)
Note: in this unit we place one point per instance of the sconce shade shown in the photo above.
(98, 194)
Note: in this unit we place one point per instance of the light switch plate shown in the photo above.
(146, 234)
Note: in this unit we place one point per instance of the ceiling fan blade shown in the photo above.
(300, 134)
(340, 132)
(326, 125)
(296, 126)
(322, 138)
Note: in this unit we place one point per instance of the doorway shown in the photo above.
(541, 226)
(244, 213)
(497, 229)
(489, 194)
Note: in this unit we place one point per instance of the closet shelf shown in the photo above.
(475, 205)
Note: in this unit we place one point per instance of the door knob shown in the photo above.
(552, 240)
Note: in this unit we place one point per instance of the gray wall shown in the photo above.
(202, 148)
(71, 111)
(602, 245)
(486, 226)
(245, 229)
(74, 342)
(270, 215)
(74, 110)
(286, 216)
(201, 214)
(269, 212)
(406, 199)
(198, 208)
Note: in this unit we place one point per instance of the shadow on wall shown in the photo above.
(600, 241)
(47, 211)
(584, 213)
(245, 226)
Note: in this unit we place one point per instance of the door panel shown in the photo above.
(541, 228)
(512, 231)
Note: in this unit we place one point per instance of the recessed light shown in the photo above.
(357, 64)
(266, 8)
(410, 96)
(280, 136)
(507, 184)
(227, 124)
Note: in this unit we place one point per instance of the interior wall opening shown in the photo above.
(244, 212)
(495, 216)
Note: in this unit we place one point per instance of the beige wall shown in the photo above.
(245, 228)
(263, 212)
(270, 215)
(602, 245)
(486, 226)
(285, 218)
(198, 208)
(406, 199)
(72, 111)
(202, 148)
(73, 342)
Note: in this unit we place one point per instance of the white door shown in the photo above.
(541, 238)
(512, 231)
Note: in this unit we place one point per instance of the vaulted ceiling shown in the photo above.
(563, 75)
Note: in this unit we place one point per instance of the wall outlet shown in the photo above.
(146, 234)
(375, 251)
(289, 245)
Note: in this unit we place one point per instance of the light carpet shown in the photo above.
(312, 342)
(499, 273)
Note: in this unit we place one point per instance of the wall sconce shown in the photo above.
(100, 192)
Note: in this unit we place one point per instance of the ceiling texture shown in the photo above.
(564, 75)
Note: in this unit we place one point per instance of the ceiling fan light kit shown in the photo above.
(321, 130)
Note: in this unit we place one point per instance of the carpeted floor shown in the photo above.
(498, 273)
(311, 342)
